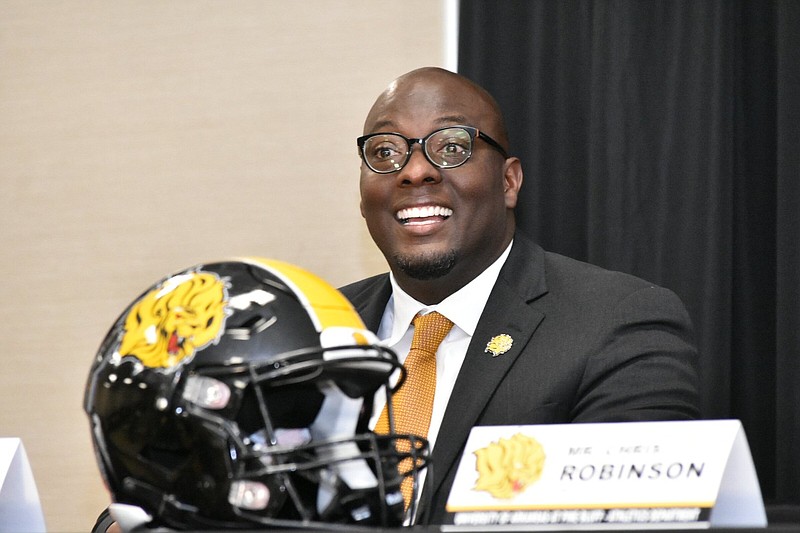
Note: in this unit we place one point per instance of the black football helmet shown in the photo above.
(238, 394)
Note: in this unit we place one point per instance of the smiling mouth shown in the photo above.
(422, 215)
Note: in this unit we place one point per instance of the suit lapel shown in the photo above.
(507, 312)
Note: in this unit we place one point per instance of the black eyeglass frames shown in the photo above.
(447, 147)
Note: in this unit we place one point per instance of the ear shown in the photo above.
(512, 181)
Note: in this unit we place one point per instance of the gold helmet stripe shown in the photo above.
(326, 306)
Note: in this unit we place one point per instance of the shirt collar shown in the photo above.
(464, 307)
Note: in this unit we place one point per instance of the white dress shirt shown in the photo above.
(464, 309)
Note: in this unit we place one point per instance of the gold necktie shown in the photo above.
(413, 403)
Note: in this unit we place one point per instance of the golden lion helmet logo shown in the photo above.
(506, 467)
(174, 320)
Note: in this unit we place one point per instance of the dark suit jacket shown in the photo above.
(590, 345)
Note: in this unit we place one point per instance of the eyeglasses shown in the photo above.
(448, 147)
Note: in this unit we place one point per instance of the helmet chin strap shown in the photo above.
(338, 418)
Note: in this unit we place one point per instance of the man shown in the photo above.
(579, 343)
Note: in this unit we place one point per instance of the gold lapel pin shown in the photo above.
(499, 344)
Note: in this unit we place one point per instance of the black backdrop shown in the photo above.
(662, 138)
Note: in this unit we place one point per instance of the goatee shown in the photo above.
(425, 267)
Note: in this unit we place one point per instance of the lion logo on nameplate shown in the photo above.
(507, 466)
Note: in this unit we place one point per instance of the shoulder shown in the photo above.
(562, 270)
(369, 297)
(366, 291)
(532, 271)
(365, 288)
(608, 293)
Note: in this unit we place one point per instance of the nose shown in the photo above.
(418, 170)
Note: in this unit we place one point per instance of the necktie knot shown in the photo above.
(429, 331)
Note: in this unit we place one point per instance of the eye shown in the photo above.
(450, 145)
(453, 146)
(384, 148)
(384, 151)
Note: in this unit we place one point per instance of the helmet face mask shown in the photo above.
(238, 394)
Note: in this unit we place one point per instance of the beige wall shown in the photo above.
(138, 137)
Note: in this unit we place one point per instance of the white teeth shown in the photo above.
(424, 212)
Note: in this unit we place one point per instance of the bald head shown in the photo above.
(438, 91)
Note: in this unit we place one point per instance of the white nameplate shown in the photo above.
(20, 509)
(643, 475)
